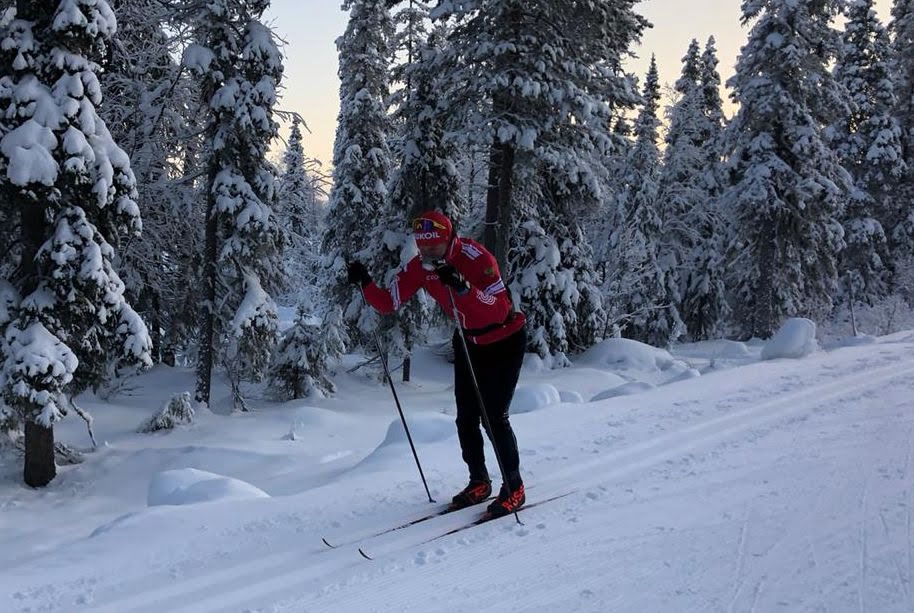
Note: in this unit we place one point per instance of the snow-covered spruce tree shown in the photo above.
(176, 411)
(149, 99)
(358, 219)
(239, 65)
(788, 187)
(704, 306)
(426, 177)
(711, 101)
(868, 142)
(608, 216)
(544, 93)
(542, 99)
(687, 199)
(304, 359)
(647, 291)
(555, 282)
(901, 223)
(297, 202)
(70, 193)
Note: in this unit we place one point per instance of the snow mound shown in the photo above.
(795, 339)
(424, 428)
(307, 419)
(627, 389)
(571, 397)
(191, 486)
(529, 398)
(627, 354)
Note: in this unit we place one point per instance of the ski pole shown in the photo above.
(393, 390)
(482, 406)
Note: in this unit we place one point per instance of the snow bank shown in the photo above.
(627, 389)
(623, 353)
(307, 419)
(529, 398)
(795, 339)
(191, 486)
(689, 373)
(571, 397)
(732, 349)
(424, 428)
(533, 364)
(851, 341)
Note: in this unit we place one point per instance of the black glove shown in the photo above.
(356, 273)
(452, 278)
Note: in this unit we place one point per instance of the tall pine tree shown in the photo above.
(239, 64)
(868, 141)
(542, 99)
(688, 190)
(297, 209)
(902, 221)
(788, 187)
(149, 101)
(358, 223)
(648, 293)
(704, 308)
(542, 93)
(426, 177)
(70, 194)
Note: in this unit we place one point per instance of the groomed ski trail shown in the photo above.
(279, 578)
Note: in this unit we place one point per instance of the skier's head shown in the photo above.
(432, 231)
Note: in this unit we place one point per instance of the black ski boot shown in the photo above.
(508, 501)
(474, 493)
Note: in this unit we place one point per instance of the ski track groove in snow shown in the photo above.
(756, 594)
(276, 576)
(740, 563)
(863, 548)
(908, 502)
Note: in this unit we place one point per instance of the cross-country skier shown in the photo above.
(495, 339)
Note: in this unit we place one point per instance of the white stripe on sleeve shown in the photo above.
(495, 288)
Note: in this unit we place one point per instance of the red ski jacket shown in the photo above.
(486, 312)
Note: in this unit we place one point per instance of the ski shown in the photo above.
(483, 519)
(412, 522)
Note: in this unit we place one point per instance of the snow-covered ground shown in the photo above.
(709, 480)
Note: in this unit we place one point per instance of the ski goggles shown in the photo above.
(423, 224)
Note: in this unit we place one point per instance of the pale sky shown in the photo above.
(310, 29)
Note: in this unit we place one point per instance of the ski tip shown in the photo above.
(364, 555)
(327, 543)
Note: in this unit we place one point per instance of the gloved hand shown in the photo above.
(356, 273)
(451, 277)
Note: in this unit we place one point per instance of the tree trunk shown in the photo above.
(499, 202)
(155, 321)
(407, 364)
(40, 468)
(206, 353)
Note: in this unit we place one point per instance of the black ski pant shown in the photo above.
(497, 367)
